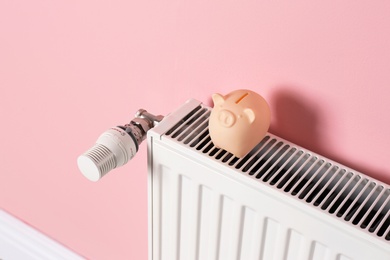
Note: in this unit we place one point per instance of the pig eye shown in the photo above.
(226, 118)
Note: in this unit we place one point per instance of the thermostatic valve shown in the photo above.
(116, 146)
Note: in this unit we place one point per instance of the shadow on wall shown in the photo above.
(299, 121)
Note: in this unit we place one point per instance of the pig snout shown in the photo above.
(226, 118)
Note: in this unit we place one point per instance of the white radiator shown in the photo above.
(281, 201)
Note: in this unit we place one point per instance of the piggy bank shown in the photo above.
(239, 121)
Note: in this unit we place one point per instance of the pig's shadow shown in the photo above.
(298, 120)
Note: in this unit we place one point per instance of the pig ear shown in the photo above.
(218, 99)
(250, 115)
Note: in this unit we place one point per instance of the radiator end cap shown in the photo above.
(89, 168)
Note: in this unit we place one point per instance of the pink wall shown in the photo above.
(71, 69)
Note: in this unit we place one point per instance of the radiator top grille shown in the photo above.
(331, 187)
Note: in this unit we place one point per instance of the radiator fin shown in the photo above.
(329, 186)
(228, 225)
(249, 236)
(295, 245)
(270, 244)
(319, 251)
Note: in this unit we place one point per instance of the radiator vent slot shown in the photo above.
(331, 187)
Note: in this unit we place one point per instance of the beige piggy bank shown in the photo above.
(239, 121)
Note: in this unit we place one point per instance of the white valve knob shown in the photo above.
(116, 146)
(113, 148)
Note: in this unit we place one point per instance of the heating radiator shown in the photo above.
(280, 201)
